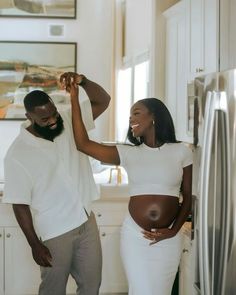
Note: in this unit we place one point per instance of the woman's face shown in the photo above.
(141, 120)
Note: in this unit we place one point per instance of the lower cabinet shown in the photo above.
(109, 217)
(20, 275)
(113, 277)
(21, 272)
(187, 268)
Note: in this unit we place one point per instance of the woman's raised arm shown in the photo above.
(106, 154)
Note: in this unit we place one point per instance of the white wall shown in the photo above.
(93, 32)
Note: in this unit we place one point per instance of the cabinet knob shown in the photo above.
(99, 214)
(185, 250)
(8, 235)
(0, 235)
(103, 234)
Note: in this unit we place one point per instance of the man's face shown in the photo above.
(46, 121)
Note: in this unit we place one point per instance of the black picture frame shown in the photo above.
(27, 66)
(65, 9)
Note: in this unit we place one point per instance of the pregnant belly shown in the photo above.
(154, 211)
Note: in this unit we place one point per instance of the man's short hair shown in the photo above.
(36, 98)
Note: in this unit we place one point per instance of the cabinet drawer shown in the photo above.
(110, 212)
(109, 217)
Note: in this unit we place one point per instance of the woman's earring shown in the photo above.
(153, 122)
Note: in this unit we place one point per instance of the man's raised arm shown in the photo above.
(98, 97)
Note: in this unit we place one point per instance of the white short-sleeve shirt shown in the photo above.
(155, 170)
(54, 178)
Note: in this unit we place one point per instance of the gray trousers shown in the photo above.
(77, 252)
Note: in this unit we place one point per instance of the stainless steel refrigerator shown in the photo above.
(214, 173)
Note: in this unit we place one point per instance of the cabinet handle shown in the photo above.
(103, 234)
(198, 70)
(8, 235)
(99, 214)
(0, 235)
(185, 250)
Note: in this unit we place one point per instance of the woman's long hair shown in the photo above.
(164, 126)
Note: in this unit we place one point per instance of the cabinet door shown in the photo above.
(203, 26)
(113, 276)
(1, 262)
(186, 270)
(22, 274)
(176, 68)
(196, 22)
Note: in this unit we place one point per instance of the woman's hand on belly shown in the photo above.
(157, 235)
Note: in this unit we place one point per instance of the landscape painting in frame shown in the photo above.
(27, 66)
(38, 8)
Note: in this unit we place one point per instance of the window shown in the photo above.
(124, 96)
(132, 85)
(141, 80)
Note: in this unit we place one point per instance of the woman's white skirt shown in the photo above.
(150, 270)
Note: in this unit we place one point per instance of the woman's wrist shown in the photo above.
(82, 81)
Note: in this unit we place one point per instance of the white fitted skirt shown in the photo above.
(150, 270)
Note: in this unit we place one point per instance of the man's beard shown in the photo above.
(48, 133)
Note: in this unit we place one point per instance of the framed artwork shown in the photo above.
(38, 8)
(27, 66)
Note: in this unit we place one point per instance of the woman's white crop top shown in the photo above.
(153, 171)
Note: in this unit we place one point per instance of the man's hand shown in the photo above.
(42, 255)
(158, 235)
(67, 78)
(98, 97)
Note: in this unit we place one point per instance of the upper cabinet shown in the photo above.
(192, 30)
(176, 67)
(202, 31)
(227, 34)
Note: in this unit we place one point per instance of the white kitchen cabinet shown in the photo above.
(176, 68)
(22, 274)
(192, 49)
(109, 217)
(113, 276)
(202, 32)
(19, 275)
(227, 35)
(187, 268)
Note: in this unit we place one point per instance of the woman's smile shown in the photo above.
(134, 127)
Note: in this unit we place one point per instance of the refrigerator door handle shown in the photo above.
(223, 106)
(212, 106)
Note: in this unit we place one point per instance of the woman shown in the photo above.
(156, 165)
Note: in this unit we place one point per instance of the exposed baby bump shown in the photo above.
(154, 211)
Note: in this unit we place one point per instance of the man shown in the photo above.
(47, 177)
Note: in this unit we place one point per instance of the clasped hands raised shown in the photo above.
(69, 79)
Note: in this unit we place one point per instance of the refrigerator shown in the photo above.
(214, 185)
